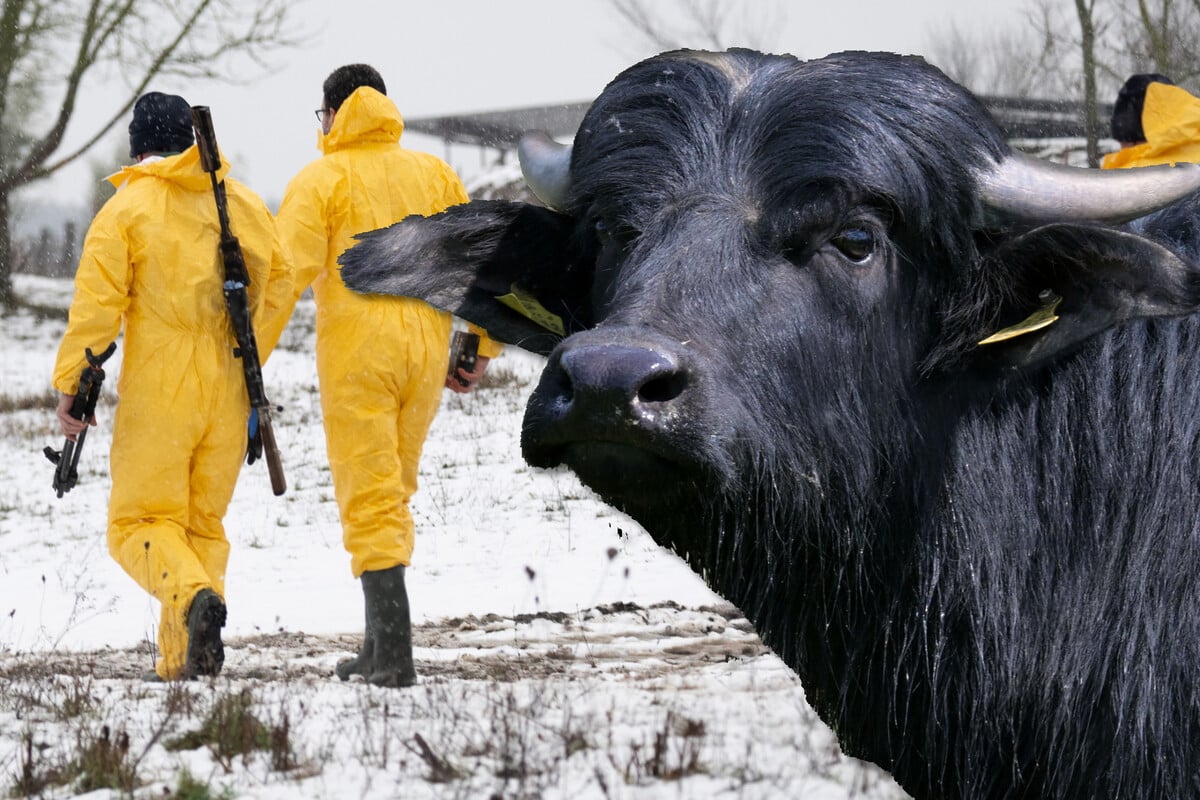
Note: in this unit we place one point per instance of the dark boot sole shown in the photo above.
(352, 666)
(393, 680)
(206, 651)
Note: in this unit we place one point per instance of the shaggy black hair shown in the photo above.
(990, 590)
(982, 561)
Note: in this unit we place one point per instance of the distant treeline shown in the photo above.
(50, 253)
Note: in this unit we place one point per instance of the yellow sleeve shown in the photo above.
(281, 297)
(267, 263)
(303, 241)
(455, 193)
(102, 283)
(487, 347)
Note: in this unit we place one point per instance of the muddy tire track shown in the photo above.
(615, 641)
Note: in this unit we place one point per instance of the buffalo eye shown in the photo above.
(603, 230)
(613, 232)
(856, 244)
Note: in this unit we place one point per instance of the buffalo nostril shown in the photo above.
(598, 378)
(662, 388)
(594, 395)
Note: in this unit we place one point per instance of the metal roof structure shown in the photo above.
(502, 129)
(1019, 118)
(1030, 118)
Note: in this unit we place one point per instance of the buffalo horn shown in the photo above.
(1024, 187)
(546, 165)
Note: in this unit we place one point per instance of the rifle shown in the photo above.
(84, 407)
(237, 278)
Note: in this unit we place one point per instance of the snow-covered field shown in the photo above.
(561, 652)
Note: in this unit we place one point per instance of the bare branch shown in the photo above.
(1034, 60)
(96, 31)
(702, 24)
(144, 40)
(49, 49)
(642, 20)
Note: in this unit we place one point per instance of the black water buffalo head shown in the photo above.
(818, 328)
(762, 285)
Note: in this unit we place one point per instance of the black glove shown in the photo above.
(253, 438)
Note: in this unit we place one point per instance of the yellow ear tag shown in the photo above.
(1042, 318)
(527, 306)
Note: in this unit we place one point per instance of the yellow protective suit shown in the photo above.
(150, 262)
(1171, 123)
(381, 361)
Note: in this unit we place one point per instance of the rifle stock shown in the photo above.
(274, 465)
(237, 301)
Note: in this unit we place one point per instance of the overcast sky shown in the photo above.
(451, 56)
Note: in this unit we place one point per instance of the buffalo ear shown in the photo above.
(505, 266)
(1103, 277)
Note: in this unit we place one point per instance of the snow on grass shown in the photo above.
(562, 653)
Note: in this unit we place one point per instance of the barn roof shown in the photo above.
(502, 129)
(1019, 118)
(1031, 118)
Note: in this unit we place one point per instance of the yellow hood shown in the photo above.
(365, 116)
(183, 169)
(1171, 122)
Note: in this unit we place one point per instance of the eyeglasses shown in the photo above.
(321, 114)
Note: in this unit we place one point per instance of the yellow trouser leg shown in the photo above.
(378, 406)
(158, 556)
(173, 476)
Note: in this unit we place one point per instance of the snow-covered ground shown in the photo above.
(561, 652)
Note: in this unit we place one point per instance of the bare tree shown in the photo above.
(701, 24)
(1118, 38)
(1080, 50)
(51, 50)
(1006, 62)
(1163, 34)
(1086, 10)
(1038, 58)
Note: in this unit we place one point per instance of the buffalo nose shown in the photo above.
(627, 381)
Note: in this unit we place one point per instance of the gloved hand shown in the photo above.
(253, 438)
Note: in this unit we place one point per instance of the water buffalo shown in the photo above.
(927, 410)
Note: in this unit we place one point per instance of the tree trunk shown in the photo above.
(1087, 29)
(8, 299)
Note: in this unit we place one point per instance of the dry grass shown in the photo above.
(503, 709)
(30, 401)
(609, 701)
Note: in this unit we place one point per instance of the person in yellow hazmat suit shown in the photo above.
(381, 361)
(1156, 122)
(150, 264)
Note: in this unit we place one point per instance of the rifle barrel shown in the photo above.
(237, 301)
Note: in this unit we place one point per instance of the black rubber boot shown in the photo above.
(205, 652)
(391, 626)
(363, 663)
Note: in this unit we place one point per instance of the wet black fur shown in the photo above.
(982, 562)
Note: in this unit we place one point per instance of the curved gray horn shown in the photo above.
(1030, 188)
(546, 165)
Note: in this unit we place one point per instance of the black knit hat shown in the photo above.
(1127, 111)
(162, 123)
